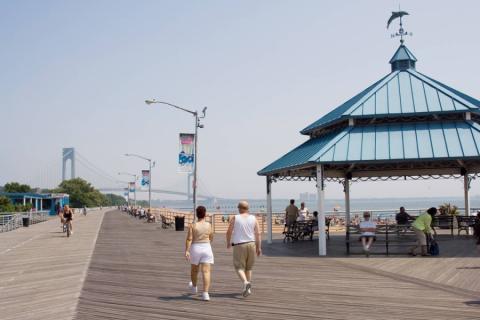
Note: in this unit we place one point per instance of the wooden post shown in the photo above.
(322, 241)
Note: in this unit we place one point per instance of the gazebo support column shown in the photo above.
(269, 210)
(346, 183)
(322, 240)
(466, 187)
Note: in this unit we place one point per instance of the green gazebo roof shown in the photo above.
(405, 116)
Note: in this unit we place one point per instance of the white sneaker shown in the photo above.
(192, 288)
(205, 296)
(247, 289)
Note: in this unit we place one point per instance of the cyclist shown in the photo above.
(68, 217)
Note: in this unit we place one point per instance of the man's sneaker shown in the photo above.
(205, 296)
(192, 288)
(247, 289)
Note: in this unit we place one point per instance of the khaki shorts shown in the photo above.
(421, 237)
(244, 256)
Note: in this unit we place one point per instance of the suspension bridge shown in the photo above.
(74, 164)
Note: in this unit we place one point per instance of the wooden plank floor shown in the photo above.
(42, 272)
(138, 272)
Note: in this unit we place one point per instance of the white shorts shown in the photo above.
(201, 253)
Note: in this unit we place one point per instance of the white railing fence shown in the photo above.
(12, 220)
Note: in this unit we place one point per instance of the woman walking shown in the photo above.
(199, 251)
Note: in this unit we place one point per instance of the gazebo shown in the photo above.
(406, 125)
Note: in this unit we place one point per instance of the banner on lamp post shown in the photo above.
(131, 187)
(145, 179)
(187, 153)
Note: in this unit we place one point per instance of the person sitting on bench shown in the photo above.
(367, 229)
(151, 217)
(403, 218)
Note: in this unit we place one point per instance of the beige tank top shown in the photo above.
(200, 232)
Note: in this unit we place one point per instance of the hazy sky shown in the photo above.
(76, 73)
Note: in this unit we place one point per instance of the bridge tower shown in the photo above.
(68, 154)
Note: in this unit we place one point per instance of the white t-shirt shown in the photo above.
(301, 217)
(244, 229)
(367, 225)
(302, 214)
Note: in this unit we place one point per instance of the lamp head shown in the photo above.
(150, 101)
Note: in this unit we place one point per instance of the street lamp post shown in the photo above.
(149, 176)
(195, 157)
(134, 190)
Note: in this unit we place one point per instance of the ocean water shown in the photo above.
(278, 205)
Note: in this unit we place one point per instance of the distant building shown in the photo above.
(39, 201)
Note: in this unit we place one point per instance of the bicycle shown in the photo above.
(66, 228)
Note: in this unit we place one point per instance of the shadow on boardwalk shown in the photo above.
(138, 272)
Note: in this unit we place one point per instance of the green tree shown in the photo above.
(6, 205)
(142, 203)
(17, 187)
(82, 193)
(114, 200)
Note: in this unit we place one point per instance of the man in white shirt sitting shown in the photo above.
(303, 213)
(367, 229)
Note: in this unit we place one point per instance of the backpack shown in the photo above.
(434, 249)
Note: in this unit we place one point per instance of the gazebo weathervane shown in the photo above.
(401, 32)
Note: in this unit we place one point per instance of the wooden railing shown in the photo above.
(220, 220)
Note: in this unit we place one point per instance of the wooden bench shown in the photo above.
(165, 223)
(465, 223)
(386, 235)
(302, 230)
(443, 222)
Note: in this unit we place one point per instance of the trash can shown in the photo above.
(179, 223)
(26, 221)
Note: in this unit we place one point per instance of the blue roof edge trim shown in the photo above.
(337, 113)
(330, 145)
(314, 150)
(471, 99)
(301, 154)
(385, 80)
(467, 100)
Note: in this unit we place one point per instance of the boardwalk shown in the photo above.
(42, 272)
(138, 272)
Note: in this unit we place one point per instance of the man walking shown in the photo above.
(244, 235)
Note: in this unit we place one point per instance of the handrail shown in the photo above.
(12, 220)
(220, 220)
